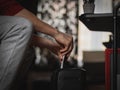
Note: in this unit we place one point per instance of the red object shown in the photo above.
(107, 68)
(9, 7)
(108, 52)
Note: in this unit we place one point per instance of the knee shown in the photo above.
(22, 27)
(26, 25)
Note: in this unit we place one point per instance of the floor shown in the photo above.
(44, 86)
(96, 87)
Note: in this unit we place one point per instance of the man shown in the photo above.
(16, 27)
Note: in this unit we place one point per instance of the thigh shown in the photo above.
(15, 33)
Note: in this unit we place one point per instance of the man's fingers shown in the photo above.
(60, 56)
(67, 50)
(64, 51)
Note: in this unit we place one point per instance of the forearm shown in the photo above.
(46, 43)
(41, 42)
(39, 25)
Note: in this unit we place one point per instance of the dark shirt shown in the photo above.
(9, 7)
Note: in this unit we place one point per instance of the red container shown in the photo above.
(108, 61)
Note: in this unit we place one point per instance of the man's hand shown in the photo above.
(65, 41)
(46, 43)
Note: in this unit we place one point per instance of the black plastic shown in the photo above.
(68, 78)
(99, 22)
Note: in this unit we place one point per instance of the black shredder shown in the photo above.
(69, 78)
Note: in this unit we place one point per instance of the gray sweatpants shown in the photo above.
(15, 34)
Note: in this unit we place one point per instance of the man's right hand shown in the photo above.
(65, 41)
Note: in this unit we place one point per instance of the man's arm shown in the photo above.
(63, 39)
(39, 25)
